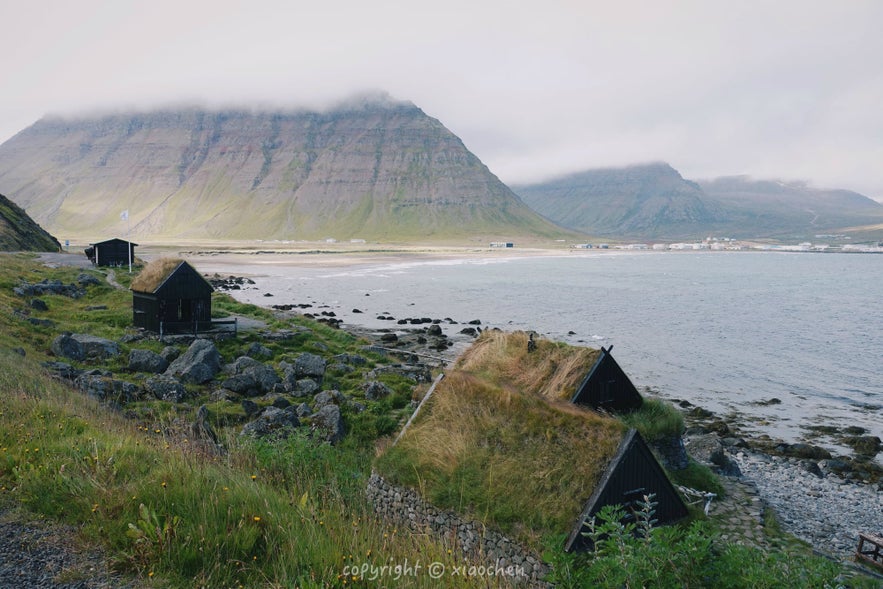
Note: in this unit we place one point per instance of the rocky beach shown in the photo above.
(822, 499)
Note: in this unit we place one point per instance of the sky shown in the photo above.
(779, 89)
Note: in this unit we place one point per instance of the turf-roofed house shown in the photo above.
(499, 442)
(112, 252)
(169, 295)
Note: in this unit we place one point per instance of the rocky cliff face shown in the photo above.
(374, 169)
(18, 232)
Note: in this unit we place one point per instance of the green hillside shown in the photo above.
(374, 169)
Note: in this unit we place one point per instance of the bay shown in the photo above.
(729, 331)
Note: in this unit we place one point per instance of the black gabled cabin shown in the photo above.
(113, 252)
(607, 387)
(170, 295)
(633, 474)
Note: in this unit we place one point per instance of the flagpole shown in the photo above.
(129, 240)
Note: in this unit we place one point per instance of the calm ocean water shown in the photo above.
(722, 330)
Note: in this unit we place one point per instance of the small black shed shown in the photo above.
(170, 295)
(633, 473)
(113, 252)
(607, 387)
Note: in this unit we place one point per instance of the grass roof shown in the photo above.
(496, 442)
(154, 273)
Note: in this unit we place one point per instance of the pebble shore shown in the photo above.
(828, 512)
(38, 555)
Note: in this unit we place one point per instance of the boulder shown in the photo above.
(327, 423)
(87, 280)
(708, 450)
(39, 305)
(63, 370)
(251, 375)
(165, 388)
(250, 407)
(79, 346)
(170, 353)
(272, 421)
(198, 365)
(351, 359)
(310, 366)
(331, 397)
(242, 384)
(303, 410)
(147, 361)
(802, 450)
(258, 350)
(65, 346)
(376, 390)
(97, 347)
(865, 445)
(105, 388)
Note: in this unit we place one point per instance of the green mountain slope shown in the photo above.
(18, 232)
(641, 201)
(654, 202)
(791, 208)
(371, 169)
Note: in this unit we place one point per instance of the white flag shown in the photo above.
(125, 215)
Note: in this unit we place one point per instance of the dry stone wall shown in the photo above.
(486, 547)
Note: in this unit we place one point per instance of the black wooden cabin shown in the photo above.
(607, 387)
(113, 252)
(633, 474)
(173, 298)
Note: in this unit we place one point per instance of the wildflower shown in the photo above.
(257, 518)
(254, 477)
(163, 484)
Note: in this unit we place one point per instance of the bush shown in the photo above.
(633, 552)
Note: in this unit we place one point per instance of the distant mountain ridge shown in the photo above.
(18, 232)
(653, 201)
(372, 168)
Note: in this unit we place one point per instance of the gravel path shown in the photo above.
(826, 511)
(34, 555)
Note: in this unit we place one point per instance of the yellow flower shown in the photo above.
(257, 518)
(163, 484)
(254, 477)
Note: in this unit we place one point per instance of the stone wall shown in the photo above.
(485, 546)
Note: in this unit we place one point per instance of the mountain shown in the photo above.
(372, 168)
(18, 232)
(779, 208)
(650, 200)
(654, 201)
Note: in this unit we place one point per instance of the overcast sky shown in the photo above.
(773, 89)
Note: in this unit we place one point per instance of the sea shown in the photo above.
(786, 341)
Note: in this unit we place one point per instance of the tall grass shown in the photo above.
(552, 369)
(474, 443)
(655, 419)
(286, 514)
